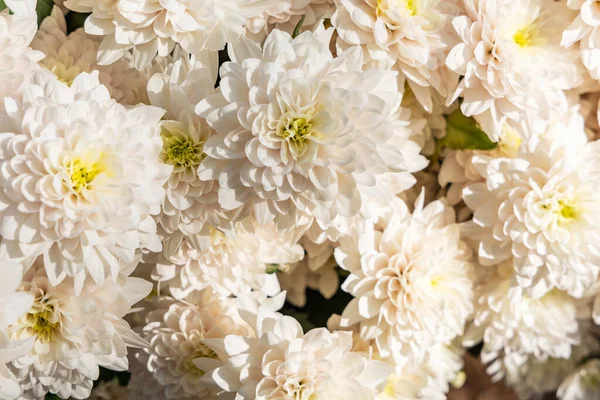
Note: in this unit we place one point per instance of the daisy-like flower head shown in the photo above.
(16, 33)
(69, 55)
(286, 14)
(280, 362)
(299, 132)
(232, 263)
(81, 179)
(584, 29)
(152, 27)
(73, 335)
(190, 205)
(411, 279)
(515, 326)
(412, 36)
(511, 60)
(540, 210)
(184, 347)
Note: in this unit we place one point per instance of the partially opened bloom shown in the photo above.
(151, 27)
(73, 335)
(583, 383)
(69, 55)
(515, 326)
(190, 205)
(411, 36)
(511, 60)
(280, 362)
(411, 279)
(81, 179)
(182, 355)
(301, 133)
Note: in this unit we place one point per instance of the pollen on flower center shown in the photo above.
(396, 6)
(202, 351)
(298, 129)
(43, 326)
(182, 151)
(525, 36)
(82, 172)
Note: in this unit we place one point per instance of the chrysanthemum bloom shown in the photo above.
(299, 132)
(515, 326)
(81, 179)
(280, 362)
(412, 36)
(13, 305)
(541, 210)
(19, 60)
(190, 205)
(286, 14)
(109, 390)
(511, 60)
(69, 55)
(182, 353)
(411, 279)
(74, 335)
(152, 27)
(583, 383)
(232, 263)
(584, 29)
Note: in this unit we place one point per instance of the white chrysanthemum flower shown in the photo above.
(182, 353)
(233, 263)
(280, 362)
(412, 36)
(74, 335)
(584, 29)
(19, 60)
(285, 15)
(111, 390)
(315, 138)
(69, 55)
(317, 271)
(535, 378)
(13, 305)
(190, 205)
(583, 383)
(542, 209)
(152, 27)
(511, 60)
(81, 179)
(411, 279)
(515, 326)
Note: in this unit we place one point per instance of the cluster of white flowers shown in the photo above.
(298, 199)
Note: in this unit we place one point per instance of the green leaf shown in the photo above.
(2, 5)
(75, 20)
(463, 133)
(298, 26)
(43, 8)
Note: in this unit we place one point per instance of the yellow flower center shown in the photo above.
(182, 151)
(84, 171)
(396, 5)
(525, 36)
(591, 380)
(510, 142)
(202, 351)
(298, 129)
(567, 211)
(42, 326)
